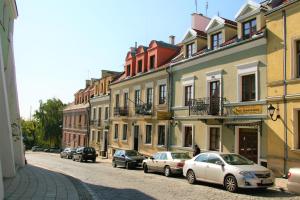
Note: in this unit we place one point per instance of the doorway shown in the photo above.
(214, 100)
(248, 143)
(136, 138)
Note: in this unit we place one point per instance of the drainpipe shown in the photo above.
(170, 95)
(88, 122)
(284, 95)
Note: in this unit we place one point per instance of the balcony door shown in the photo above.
(136, 138)
(214, 97)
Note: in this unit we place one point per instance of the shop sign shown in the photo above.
(245, 110)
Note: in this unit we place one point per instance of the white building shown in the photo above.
(11, 145)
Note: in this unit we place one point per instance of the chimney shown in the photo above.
(135, 45)
(199, 22)
(172, 39)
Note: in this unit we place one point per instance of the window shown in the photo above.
(106, 113)
(148, 134)
(214, 139)
(117, 101)
(161, 135)
(298, 129)
(156, 156)
(248, 87)
(92, 135)
(125, 128)
(162, 94)
(140, 66)
(128, 70)
(99, 114)
(187, 95)
(126, 100)
(163, 156)
(116, 131)
(216, 40)
(99, 136)
(202, 158)
(152, 62)
(190, 50)
(149, 99)
(188, 136)
(249, 28)
(137, 97)
(298, 59)
(213, 159)
(94, 113)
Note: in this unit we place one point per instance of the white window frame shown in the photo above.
(208, 137)
(294, 71)
(183, 135)
(146, 134)
(114, 134)
(296, 128)
(166, 131)
(188, 81)
(123, 132)
(244, 70)
(159, 83)
(149, 85)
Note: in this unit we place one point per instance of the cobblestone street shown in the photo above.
(105, 182)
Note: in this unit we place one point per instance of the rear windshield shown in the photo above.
(131, 153)
(235, 159)
(89, 150)
(180, 156)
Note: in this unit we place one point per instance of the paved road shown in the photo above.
(106, 182)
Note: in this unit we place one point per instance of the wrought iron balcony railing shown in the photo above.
(143, 109)
(96, 122)
(207, 106)
(121, 111)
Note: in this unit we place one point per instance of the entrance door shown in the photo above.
(248, 143)
(105, 143)
(214, 97)
(136, 138)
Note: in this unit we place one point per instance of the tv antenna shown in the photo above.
(196, 5)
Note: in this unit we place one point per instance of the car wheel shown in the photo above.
(167, 171)
(145, 167)
(230, 183)
(127, 165)
(61, 156)
(114, 164)
(94, 160)
(191, 177)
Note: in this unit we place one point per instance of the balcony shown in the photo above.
(95, 123)
(143, 109)
(207, 106)
(121, 111)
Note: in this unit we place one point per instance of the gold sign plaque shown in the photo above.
(244, 110)
(163, 115)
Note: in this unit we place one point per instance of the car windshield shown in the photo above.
(234, 159)
(180, 156)
(89, 150)
(132, 153)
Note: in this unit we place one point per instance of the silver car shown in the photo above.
(231, 170)
(293, 184)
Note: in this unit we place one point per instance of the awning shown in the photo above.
(240, 122)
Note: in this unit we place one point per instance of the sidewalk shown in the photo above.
(33, 182)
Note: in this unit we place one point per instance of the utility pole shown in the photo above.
(206, 8)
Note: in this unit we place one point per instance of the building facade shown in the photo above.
(76, 117)
(11, 144)
(99, 118)
(219, 86)
(139, 100)
(284, 85)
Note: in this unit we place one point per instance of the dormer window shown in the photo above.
(249, 28)
(140, 66)
(152, 62)
(216, 40)
(128, 70)
(190, 50)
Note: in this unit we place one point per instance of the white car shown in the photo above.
(293, 184)
(231, 170)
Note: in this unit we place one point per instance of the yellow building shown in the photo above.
(283, 85)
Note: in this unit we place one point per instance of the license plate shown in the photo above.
(90, 154)
(266, 181)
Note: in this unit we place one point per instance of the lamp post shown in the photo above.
(271, 110)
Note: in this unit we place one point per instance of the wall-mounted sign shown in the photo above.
(245, 110)
(163, 115)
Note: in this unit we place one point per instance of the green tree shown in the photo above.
(49, 119)
(29, 132)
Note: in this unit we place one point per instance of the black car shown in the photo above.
(67, 153)
(127, 158)
(85, 154)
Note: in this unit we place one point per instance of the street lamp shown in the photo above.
(272, 110)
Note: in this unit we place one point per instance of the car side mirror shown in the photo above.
(123, 155)
(220, 163)
(152, 158)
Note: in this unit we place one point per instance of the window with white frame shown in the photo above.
(116, 135)
(248, 87)
(216, 40)
(149, 97)
(148, 134)
(126, 100)
(188, 90)
(214, 138)
(161, 134)
(298, 127)
(137, 97)
(298, 58)
(162, 94)
(187, 95)
(99, 136)
(190, 49)
(92, 135)
(188, 136)
(94, 113)
(125, 130)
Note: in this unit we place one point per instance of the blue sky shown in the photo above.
(60, 43)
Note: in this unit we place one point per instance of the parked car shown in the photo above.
(231, 170)
(127, 158)
(67, 153)
(167, 162)
(294, 180)
(85, 154)
(54, 150)
(37, 148)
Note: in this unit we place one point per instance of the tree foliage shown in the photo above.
(29, 132)
(49, 119)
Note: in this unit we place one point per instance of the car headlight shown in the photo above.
(247, 174)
